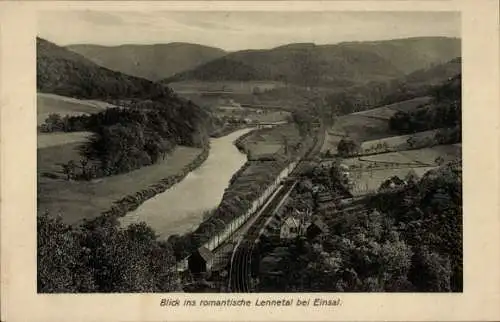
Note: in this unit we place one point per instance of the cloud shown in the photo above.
(101, 18)
(240, 30)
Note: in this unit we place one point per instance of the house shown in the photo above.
(291, 228)
(201, 261)
(316, 228)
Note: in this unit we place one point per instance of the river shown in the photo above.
(180, 208)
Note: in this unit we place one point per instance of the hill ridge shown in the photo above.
(150, 61)
(344, 64)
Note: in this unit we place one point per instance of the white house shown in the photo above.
(291, 228)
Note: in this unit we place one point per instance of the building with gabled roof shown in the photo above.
(201, 261)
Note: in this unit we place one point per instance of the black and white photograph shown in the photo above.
(249, 151)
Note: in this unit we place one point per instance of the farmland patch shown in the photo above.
(368, 172)
(50, 103)
(409, 105)
(399, 142)
(46, 140)
(76, 200)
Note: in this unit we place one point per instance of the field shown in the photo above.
(229, 86)
(51, 103)
(369, 125)
(358, 127)
(45, 140)
(409, 105)
(371, 181)
(76, 200)
(270, 141)
(252, 114)
(398, 142)
(367, 173)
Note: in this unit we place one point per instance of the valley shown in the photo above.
(194, 152)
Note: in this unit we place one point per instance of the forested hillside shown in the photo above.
(399, 240)
(62, 72)
(419, 83)
(153, 122)
(443, 111)
(153, 62)
(340, 65)
(411, 54)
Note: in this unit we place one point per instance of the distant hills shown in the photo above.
(339, 65)
(153, 62)
(422, 82)
(411, 54)
(63, 72)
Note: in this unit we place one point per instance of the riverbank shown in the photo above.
(180, 208)
(79, 200)
(249, 183)
(133, 201)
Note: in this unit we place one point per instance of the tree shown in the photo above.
(411, 177)
(430, 272)
(348, 147)
(69, 169)
(303, 122)
(61, 262)
(411, 142)
(439, 161)
(85, 171)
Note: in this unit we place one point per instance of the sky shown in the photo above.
(238, 30)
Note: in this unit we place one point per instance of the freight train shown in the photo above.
(230, 228)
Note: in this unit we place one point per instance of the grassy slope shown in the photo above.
(368, 125)
(78, 200)
(45, 140)
(270, 141)
(376, 168)
(399, 141)
(62, 105)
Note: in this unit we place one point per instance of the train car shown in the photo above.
(231, 227)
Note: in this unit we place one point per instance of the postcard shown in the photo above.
(250, 161)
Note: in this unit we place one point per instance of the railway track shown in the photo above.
(240, 273)
(241, 262)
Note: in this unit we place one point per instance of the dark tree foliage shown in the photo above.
(128, 138)
(367, 96)
(429, 217)
(100, 257)
(63, 72)
(304, 121)
(149, 123)
(400, 240)
(348, 147)
(444, 111)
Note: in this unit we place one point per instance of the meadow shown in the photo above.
(271, 141)
(399, 142)
(358, 127)
(46, 140)
(62, 105)
(368, 172)
(233, 86)
(76, 200)
(370, 126)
